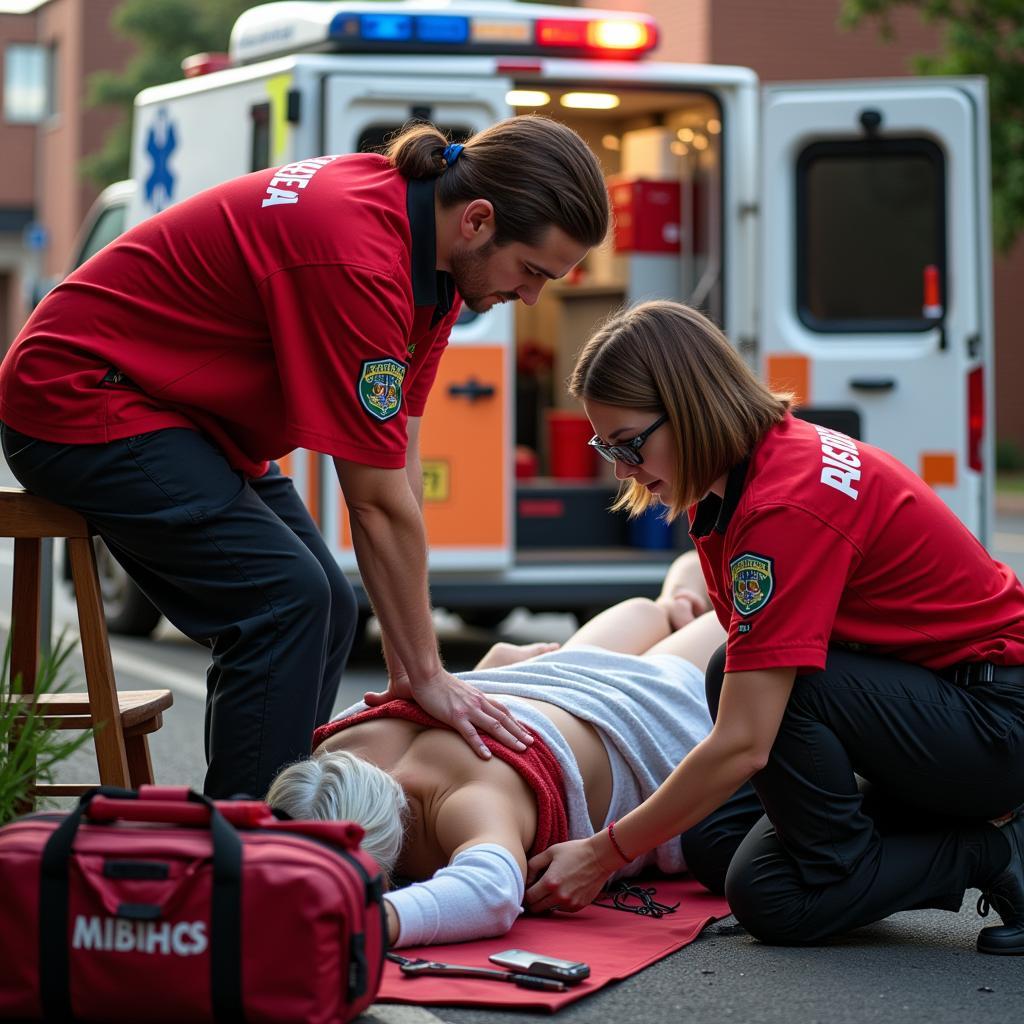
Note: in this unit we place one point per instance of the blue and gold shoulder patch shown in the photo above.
(380, 387)
(753, 581)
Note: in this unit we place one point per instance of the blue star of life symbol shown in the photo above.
(160, 144)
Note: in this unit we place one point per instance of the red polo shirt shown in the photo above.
(823, 540)
(295, 307)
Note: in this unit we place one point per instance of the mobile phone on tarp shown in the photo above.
(571, 972)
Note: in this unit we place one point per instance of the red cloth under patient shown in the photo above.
(615, 944)
(537, 765)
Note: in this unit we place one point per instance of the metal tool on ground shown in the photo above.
(412, 968)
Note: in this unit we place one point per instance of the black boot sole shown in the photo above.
(1009, 943)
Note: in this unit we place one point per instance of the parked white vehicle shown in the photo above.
(838, 231)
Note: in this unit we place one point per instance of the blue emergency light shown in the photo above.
(435, 29)
(440, 28)
(391, 28)
(431, 27)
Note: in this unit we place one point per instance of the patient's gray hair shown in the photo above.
(339, 786)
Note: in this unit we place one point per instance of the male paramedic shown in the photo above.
(305, 306)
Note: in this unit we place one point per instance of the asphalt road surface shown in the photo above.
(914, 967)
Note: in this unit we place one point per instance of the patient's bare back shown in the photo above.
(456, 800)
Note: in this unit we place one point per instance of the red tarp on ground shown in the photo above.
(616, 944)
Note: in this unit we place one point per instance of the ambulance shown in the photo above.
(838, 231)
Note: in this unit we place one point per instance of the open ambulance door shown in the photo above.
(875, 271)
(465, 441)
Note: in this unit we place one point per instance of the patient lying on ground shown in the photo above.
(614, 710)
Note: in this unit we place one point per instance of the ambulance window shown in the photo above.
(871, 235)
(108, 226)
(260, 153)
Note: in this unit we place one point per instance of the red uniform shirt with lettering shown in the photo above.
(272, 312)
(835, 542)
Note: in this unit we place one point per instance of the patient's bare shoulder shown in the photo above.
(381, 741)
(469, 800)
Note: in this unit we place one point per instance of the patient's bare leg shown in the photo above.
(629, 627)
(695, 642)
(637, 624)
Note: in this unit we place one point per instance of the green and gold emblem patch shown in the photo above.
(753, 581)
(380, 387)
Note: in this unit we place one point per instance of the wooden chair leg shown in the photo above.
(140, 767)
(25, 611)
(25, 624)
(111, 753)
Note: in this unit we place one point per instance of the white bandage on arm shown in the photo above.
(480, 893)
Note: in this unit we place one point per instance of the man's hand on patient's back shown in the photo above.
(460, 705)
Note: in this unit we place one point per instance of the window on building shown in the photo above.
(28, 83)
(871, 235)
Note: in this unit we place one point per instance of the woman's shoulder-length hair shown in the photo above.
(664, 356)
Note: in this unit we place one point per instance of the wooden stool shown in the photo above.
(122, 721)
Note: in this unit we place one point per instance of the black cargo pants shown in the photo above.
(935, 761)
(236, 564)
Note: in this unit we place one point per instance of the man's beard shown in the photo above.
(469, 272)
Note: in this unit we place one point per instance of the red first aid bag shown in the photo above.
(161, 905)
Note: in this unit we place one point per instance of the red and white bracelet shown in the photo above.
(615, 843)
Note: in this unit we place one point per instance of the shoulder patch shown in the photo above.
(380, 387)
(753, 582)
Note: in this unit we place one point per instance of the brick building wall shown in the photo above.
(43, 178)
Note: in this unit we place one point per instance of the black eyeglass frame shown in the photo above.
(629, 451)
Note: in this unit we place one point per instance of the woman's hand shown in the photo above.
(502, 654)
(460, 705)
(569, 876)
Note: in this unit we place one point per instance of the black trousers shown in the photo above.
(236, 564)
(830, 854)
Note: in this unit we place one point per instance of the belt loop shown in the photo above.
(987, 671)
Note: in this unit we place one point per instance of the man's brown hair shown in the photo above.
(534, 171)
(667, 357)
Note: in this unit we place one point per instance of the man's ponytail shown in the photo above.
(417, 152)
(535, 171)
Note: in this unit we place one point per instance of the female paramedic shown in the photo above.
(304, 306)
(869, 634)
(613, 711)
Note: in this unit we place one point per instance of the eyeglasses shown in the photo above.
(628, 452)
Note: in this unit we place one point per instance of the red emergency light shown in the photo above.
(931, 308)
(605, 36)
(204, 64)
(976, 419)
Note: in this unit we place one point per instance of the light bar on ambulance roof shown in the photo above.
(440, 26)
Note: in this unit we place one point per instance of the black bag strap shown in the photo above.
(225, 914)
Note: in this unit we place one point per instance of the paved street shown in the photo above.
(915, 967)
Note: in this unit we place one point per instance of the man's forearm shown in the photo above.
(391, 549)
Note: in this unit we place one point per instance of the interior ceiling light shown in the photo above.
(685, 134)
(714, 126)
(611, 142)
(527, 98)
(590, 100)
(700, 142)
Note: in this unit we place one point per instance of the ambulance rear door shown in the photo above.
(875, 271)
(465, 441)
